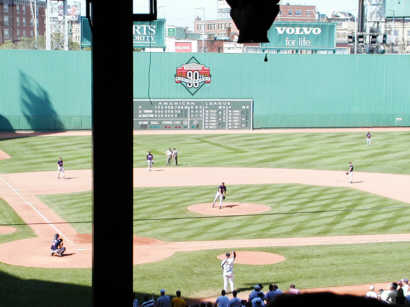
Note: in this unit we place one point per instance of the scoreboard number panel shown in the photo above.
(194, 114)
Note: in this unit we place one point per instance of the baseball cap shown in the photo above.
(371, 287)
(162, 291)
(405, 280)
(257, 287)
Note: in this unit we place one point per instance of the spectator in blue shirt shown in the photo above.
(163, 300)
(272, 293)
(235, 302)
(222, 300)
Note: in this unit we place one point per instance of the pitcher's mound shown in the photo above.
(255, 258)
(5, 230)
(229, 208)
(3, 155)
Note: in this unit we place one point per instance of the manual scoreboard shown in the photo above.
(200, 114)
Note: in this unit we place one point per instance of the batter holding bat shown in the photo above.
(221, 194)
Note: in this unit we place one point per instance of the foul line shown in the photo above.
(48, 222)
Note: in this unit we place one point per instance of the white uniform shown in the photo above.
(60, 168)
(227, 272)
(350, 173)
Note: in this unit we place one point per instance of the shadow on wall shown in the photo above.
(37, 107)
(5, 124)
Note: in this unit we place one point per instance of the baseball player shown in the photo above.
(150, 160)
(221, 193)
(169, 154)
(175, 156)
(350, 172)
(60, 168)
(368, 138)
(227, 270)
(57, 247)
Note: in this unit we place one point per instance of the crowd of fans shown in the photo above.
(398, 293)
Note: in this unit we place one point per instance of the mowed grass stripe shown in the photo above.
(9, 217)
(162, 212)
(389, 152)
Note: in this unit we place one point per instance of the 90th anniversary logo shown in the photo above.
(193, 75)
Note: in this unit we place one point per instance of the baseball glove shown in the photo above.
(347, 173)
(223, 197)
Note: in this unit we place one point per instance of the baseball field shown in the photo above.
(290, 212)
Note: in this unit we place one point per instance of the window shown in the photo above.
(6, 34)
(290, 12)
(23, 9)
(31, 33)
(396, 33)
(5, 8)
(408, 33)
(18, 8)
(298, 12)
(6, 20)
(308, 13)
(24, 21)
(18, 20)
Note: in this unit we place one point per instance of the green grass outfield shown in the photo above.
(297, 211)
(389, 152)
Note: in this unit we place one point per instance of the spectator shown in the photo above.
(178, 301)
(405, 286)
(389, 296)
(235, 302)
(209, 304)
(272, 293)
(254, 293)
(148, 302)
(222, 300)
(258, 300)
(163, 300)
(135, 300)
(202, 304)
(293, 289)
(371, 293)
(400, 299)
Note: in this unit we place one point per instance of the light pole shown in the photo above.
(203, 32)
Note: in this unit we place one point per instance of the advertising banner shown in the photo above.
(149, 34)
(302, 35)
(183, 46)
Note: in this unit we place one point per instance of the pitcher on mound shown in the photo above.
(221, 193)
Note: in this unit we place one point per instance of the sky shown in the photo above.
(183, 12)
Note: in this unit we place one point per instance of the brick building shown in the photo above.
(288, 12)
(16, 19)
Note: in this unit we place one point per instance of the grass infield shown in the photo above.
(389, 152)
(8, 217)
(297, 211)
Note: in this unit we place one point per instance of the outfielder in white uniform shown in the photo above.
(60, 168)
(221, 193)
(227, 270)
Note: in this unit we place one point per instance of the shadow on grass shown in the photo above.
(15, 291)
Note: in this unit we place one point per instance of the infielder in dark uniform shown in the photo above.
(221, 193)
(150, 160)
(350, 172)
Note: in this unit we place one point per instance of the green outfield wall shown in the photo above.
(45, 90)
(293, 90)
(51, 90)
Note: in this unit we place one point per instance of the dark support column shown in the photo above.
(112, 112)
